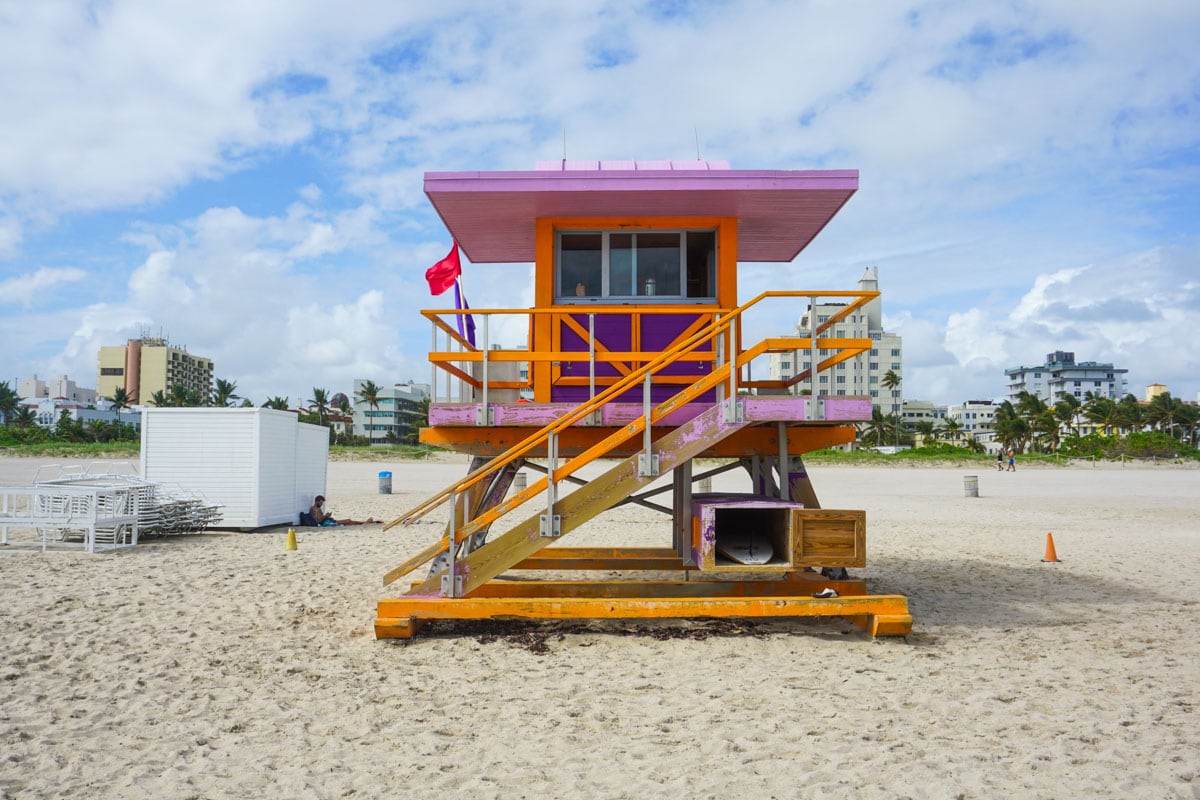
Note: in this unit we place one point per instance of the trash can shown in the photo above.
(971, 485)
(385, 483)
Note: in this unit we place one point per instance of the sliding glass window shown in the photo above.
(623, 266)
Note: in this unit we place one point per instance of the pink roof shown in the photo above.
(491, 214)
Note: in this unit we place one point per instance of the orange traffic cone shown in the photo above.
(1050, 554)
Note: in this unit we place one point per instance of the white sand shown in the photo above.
(222, 666)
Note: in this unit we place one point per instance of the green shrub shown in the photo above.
(1135, 445)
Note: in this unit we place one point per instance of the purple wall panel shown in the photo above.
(615, 333)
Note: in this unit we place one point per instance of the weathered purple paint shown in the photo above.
(757, 409)
(492, 214)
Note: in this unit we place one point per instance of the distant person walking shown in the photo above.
(1000, 461)
(1012, 460)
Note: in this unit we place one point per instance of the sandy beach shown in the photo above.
(222, 666)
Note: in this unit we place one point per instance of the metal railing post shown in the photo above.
(811, 411)
(734, 346)
(451, 582)
(551, 523)
(719, 358)
(648, 460)
(485, 359)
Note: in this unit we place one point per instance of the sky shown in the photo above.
(246, 178)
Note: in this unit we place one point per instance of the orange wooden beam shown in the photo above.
(887, 614)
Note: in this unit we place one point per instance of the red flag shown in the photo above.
(441, 276)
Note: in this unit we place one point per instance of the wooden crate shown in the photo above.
(829, 538)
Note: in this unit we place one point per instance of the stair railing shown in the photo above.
(725, 368)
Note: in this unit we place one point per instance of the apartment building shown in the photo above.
(976, 419)
(145, 366)
(395, 416)
(914, 411)
(861, 375)
(1062, 375)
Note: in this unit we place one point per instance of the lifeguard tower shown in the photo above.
(635, 366)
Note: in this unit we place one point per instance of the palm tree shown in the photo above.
(1188, 417)
(878, 428)
(224, 393)
(1012, 430)
(1129, 414)
(24, 418)
(1166, 413)
(951, 429)
(1100, 410)
(1045, 428)
(1041, 423)
(368, 393)
(160, 399)
(277, 403)
(8, 402)
(182, 397)
(890, 381)
(420, 419)
(1066, 411)
(320, 404)
(120, 400)
(925, 428)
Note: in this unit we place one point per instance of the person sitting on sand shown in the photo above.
(325, 519)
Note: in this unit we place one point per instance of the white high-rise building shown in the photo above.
(862, 374)
(1061, 375)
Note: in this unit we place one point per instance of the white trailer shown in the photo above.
(262, 466)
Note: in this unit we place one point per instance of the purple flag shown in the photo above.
(467, 329)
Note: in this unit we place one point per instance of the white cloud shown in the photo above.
(1129, 311)
(1019, 163)
(33, 287)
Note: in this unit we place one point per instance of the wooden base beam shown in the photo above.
(887, 615)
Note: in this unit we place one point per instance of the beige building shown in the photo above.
(861, 375)
(146, 366)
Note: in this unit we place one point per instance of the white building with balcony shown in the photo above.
(1062, 375)
(976, 419)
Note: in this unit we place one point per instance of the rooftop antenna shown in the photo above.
(564, 158)
(697, 132)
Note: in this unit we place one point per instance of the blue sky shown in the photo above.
(246, 178)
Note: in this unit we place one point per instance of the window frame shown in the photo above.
(561, 297)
